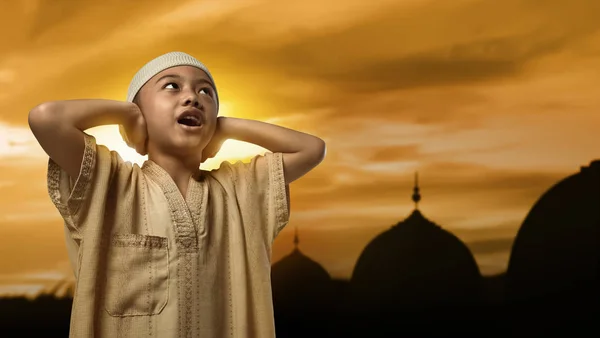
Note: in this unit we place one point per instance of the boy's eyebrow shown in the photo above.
(179, 77)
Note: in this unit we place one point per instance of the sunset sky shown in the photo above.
(492, 102)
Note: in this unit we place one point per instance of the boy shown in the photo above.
(169, 250)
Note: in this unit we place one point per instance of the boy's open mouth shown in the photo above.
(190, 118)
(190, 121)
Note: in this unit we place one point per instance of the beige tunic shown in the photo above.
(150, 263)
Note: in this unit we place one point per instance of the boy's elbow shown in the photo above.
(40, 116)
(45, 118)
(318, 149)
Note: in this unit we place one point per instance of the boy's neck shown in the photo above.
(179, 169)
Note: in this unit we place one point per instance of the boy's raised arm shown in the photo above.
(301, 152)
(58, 126)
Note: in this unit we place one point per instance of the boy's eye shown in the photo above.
(207, 91)
(171, 84)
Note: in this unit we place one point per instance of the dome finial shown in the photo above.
(416, 197)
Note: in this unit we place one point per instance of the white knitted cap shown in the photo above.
(165, 61)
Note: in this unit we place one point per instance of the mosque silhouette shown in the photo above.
(418, 280)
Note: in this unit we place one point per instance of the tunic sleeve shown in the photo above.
(260, 190)
(82, 199)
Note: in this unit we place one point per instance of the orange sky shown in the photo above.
(491, 101)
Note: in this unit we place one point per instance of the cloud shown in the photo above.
(380, 153)
(114, 44)
(383, 46)
(29, 291)
(494, 263)
(421, 46)
(34, 276)
(491, 246)
(29, 188)
(58, 281)
(49, 19)
(457, 64)
(18, 142)
(39, 246)
(450, 191)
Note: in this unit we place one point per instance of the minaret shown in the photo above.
(416, 197)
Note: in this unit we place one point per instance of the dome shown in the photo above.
(299, 283)
(415, 263)
(556, 248)
(297, 265)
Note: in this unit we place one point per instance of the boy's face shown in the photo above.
(179, 106)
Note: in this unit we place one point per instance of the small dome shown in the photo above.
(556, 248)
(299, 283)
(297, 265)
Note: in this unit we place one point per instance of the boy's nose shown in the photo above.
(192, 99)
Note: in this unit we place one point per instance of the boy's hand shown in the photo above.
(135, 131)
(215, 143)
